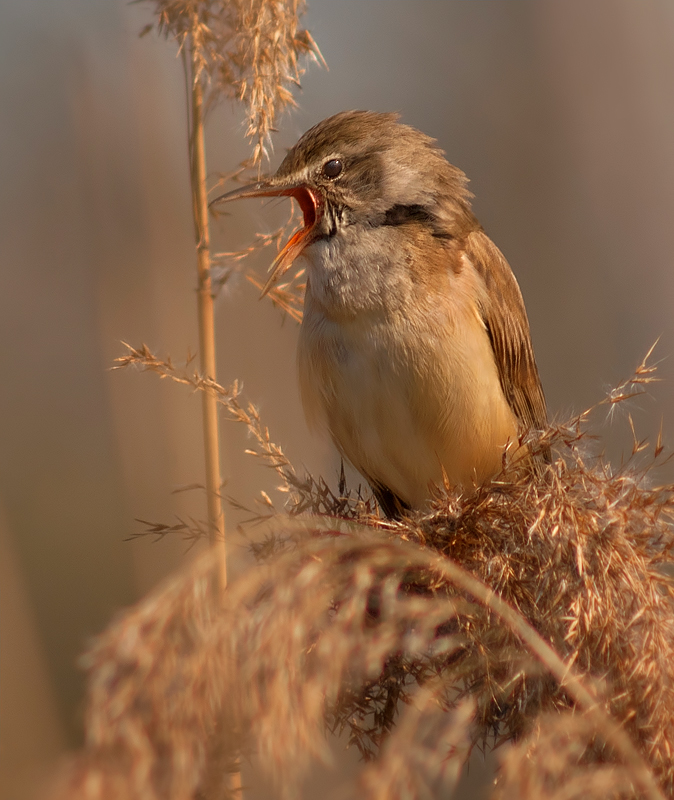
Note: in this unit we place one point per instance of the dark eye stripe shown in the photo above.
(332, 168)
(401, 215)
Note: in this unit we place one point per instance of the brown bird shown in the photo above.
(414, 349)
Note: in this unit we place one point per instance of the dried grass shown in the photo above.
(249, 50)
(534, 611)
(287, 296)
(552, 763)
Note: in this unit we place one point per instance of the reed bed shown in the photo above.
(534, 614)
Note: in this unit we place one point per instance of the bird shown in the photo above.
(414, 349)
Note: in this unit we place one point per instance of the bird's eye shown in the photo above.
(332, 168)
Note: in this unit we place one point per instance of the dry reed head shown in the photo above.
(536, 611)
(249, 50)
(288, 296)
(551, 763)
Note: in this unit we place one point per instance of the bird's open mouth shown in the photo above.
(311, 204)
(308, 202)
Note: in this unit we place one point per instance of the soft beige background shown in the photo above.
(561, 113)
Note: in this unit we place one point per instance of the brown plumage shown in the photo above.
(506, 321)
(415, 349)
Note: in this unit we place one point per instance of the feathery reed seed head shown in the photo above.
(248, 50)
(535, 610)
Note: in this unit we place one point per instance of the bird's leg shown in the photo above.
(392, 506)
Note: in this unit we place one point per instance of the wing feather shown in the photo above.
(507, 324)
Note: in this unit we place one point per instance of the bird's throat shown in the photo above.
(311, 204)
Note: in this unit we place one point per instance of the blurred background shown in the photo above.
(561, 114)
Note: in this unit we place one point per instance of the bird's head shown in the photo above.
(362, 168)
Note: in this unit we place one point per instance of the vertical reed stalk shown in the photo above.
(247, 50)
(209, 406)
(216, 518)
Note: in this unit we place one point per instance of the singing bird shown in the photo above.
(414, 349)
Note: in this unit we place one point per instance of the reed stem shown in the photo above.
(209, 402)
(216, 518)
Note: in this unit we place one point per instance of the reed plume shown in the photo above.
(536, 611)
(250, 51)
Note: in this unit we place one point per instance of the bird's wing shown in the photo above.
(506, 321)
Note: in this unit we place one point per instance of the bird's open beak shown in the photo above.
(310, 203)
